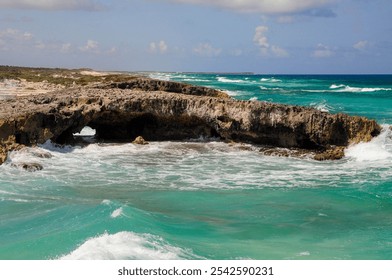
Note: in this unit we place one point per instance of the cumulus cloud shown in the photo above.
(322, 51)
(159, 47)
(90, 5)
(11, 38)
(361, 45)
(313, 7)
(15, 35)
(91, 46)
(261, 40)
(206, 49)
(15, 39)
(279, 52)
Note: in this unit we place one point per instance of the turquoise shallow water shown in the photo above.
(365, 95)
(206, 199)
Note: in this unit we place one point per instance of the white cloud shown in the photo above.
(91, 46)
(160, 47)
(286, 19)
(89, 5)
(267, 6)
(206, 49)
(261, 40)
(65, 48)
(279, 52)
(40, 45)
(361, 45)
(15, 35)
(12, 38)
(323, 51)
(112, 50)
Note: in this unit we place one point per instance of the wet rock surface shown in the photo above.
(31, 167)
(140, 141)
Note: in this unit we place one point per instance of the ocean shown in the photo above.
(206, 199)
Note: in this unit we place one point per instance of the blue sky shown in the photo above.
(261, 36)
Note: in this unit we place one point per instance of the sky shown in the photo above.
(260, 36)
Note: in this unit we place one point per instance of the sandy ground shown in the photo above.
(13, 88)
(10, 88)
(94, 73)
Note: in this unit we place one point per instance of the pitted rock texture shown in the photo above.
(123, 114)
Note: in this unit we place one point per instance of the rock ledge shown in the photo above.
(171, 111)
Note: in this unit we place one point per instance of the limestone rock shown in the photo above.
(149, 85)
(37, 152)
(330, 154)
(178, 113)
(140, 141)
(31, 167)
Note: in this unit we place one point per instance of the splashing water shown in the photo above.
(198, 199)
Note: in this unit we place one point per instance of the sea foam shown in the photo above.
(322, 106)
(86, 131)
(379, 149)
(127, 245)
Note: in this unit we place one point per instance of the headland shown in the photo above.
(56, 103)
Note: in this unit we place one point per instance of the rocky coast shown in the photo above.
(121, 110)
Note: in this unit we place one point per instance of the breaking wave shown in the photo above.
(345, 88)
(270, 80)
(127, 245)
(378, 150)
(226, 80)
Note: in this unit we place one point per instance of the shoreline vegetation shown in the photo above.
(40, 104)
(15, 80)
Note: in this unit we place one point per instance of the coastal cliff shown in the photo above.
(159, 110)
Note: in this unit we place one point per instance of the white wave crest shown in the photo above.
(336, 86)
(233, 93)
(271, 89)
(127, 245)
(226, 80)
(86, 131)
(379, 149)
(270, 80)
(345, 88)
(117, 213)
(322, 106)
(161, 76)
(195, 80)
(106, 202)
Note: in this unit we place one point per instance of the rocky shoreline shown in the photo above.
(158, 110)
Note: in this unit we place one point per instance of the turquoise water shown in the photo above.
(365, 95)
(207, 199)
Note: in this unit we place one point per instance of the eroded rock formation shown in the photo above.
(121, 112)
